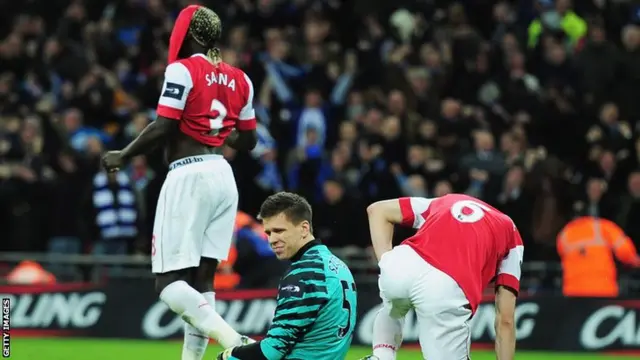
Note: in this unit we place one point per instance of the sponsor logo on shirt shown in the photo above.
(173, 91)
(289, 291)
(291, 288)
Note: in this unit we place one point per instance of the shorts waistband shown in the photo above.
(193, 160)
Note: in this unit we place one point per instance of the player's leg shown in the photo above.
(182, 216)
(223, 193)
(443, 314)
(395, 283)
(220, 195)
(195, 342)
(387, 329)
(194, 308)
(223, 196)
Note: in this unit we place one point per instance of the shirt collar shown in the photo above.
(307, 246)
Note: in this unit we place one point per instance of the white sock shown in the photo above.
(195, 342)
(387, 335)
(194, 308)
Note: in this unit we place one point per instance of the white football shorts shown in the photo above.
(408, 282)
(195, 215)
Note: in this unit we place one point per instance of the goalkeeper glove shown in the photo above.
(226, 355)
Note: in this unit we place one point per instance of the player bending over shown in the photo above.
(316, 305)
(203, 99)
(460, 246)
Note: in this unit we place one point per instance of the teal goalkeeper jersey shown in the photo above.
(316, 308)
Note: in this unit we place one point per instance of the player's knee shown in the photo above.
(163, 280)
(205, 274)
(204, 286)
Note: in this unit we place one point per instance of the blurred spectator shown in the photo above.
(251, 258)
(555, 18)
(587, 247)
(114, 204)
(484, 166)
(338, 219)
(630, 209)
(597, 202)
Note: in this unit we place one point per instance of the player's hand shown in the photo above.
(112, 160)
(226, 355)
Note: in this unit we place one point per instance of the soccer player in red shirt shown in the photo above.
(204, 104)
(461, 244)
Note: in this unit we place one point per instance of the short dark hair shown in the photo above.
(293, 206)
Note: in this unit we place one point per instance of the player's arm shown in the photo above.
(383, 215)
(507, 288)
(244, 136)
(173, 98)
(299, 301)
(505, 323)
(149, 137)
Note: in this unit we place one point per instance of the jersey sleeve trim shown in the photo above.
(510, 271)
(509, 281)
(169, 112)
(175, 91)
(247, 116)
(412, 209)
(408, 217)
(247, 125)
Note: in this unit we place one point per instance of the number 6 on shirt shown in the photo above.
(218, 108)
(468, 211)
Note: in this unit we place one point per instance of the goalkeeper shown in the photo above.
(316, 305)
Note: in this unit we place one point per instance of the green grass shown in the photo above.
(81, 349)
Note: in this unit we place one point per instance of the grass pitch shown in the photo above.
(82, 349)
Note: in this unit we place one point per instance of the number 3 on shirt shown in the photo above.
(346, 305)
(468, 211)
(220, 111)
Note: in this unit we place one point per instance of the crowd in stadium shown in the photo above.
(529, 105)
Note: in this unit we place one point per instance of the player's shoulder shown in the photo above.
(468, 200)
(311, 263)
(178, 70)
(307, 274)
(322, 254)
(182, 65)
(236, 73)
(242, 84)
(199, 62)
(337, 270)
(455, 197)
(230, 69)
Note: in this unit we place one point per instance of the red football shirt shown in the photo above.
(467, 239)
(208, 100)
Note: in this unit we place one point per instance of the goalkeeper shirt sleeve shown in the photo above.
(302, 294)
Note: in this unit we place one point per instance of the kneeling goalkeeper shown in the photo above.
(316, 305)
